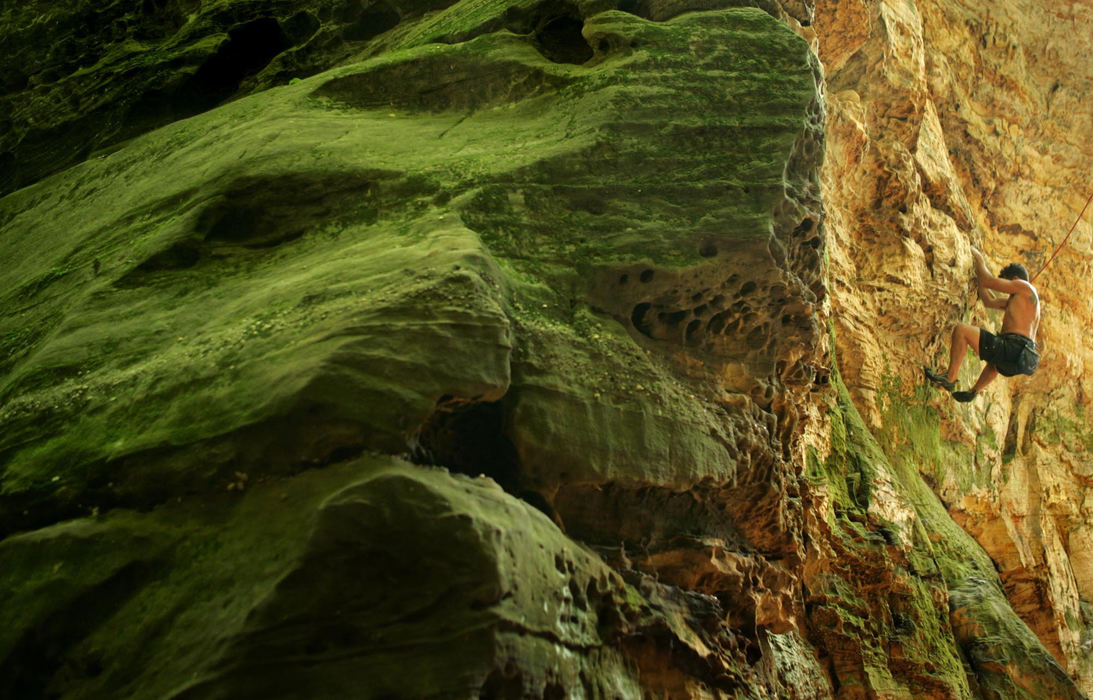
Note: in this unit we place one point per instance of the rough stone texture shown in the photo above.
(255, 360)
(507, 255)
(953, 124)
(488, 589)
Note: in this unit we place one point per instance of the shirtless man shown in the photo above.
(1013, 350)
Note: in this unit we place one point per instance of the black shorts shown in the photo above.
(1010, 353)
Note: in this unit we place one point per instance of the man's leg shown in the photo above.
(964, 336)
(985, 377)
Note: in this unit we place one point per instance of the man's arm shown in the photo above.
(989, 300)
(989, 281)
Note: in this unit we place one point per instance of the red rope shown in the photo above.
(1060, 246)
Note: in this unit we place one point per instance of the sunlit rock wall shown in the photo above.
(952, 124)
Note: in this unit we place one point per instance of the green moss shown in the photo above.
(911, 428)
(200, 593)
(1071, 431)
(941, 554)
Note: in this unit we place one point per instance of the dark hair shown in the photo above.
(1014, 271)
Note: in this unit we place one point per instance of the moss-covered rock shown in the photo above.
(334, 583)
(914, 606)
(570, 248)
(522, 254)
(315, 271)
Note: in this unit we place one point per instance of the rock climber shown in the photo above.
(1013, 351)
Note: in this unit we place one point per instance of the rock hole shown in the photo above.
(624, 278)
(748, 288)
(673, 318)
(693, 331)
(637, 317)
(469, 438)
(554, 691)
(757, 338)
(646, 276)
(375, 20)
(717, 323)
(804, 227)
(249, 48)
(249, 227)
(560, 40)
(559, 563)
(579, 600)
(708, 250)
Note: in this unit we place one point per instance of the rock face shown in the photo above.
(950, 126)
(486, 349)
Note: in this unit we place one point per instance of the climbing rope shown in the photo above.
(1060, 246)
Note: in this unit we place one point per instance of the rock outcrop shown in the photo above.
(533, 349)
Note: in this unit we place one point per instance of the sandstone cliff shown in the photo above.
(518, 348)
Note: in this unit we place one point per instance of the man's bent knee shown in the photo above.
(969, 333)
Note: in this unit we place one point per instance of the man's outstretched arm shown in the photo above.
(989, 281)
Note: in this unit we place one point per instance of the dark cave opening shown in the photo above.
(555, 28)
(560, 39)
(638, 317)
(250, 48)
(469, 438)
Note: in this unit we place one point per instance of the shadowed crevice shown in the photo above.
(469, 438)
(250, 48)
(41, 653)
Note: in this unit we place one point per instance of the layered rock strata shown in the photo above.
(485, 349)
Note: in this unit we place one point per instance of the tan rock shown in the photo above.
(953, 124)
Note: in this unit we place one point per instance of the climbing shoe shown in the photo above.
(963, 396)
(939, 379)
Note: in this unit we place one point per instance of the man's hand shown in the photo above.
(981, 271)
